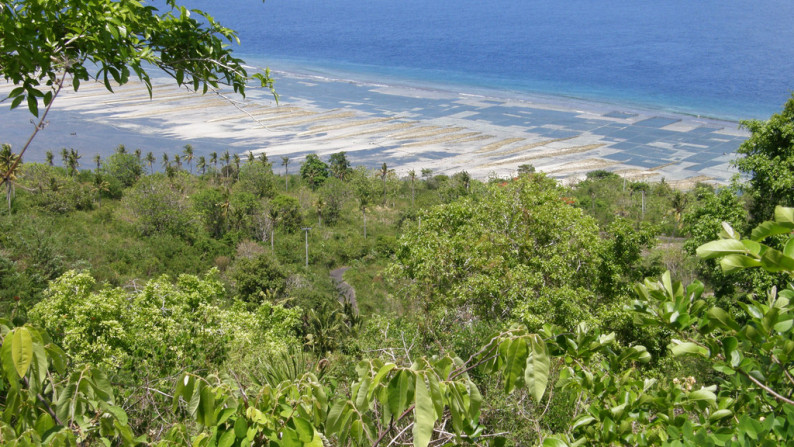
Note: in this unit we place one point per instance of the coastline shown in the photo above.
(406, 126)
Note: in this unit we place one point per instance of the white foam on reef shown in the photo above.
(561, 135)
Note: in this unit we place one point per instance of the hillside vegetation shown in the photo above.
(195, 306)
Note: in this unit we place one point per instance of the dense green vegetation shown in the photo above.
(195, 305)
(176, 308)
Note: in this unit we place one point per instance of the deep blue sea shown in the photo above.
(725, 59)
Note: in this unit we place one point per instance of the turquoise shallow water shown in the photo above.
(643, 73)
(730, 60)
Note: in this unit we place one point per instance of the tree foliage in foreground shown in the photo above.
(43, 42)
(768, 160)
(433, 399)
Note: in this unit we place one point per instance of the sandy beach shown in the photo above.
(407, 128)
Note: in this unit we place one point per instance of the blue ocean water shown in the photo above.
(730, 60)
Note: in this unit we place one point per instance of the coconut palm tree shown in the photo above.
(285, 163)
(165, 161)
(97, 160)
(178, 161)
(226, 157)
(150, 160)
(202, 164)
(65, 156)
(188, 151)
(678, 204)
(49, 158)
(236, 165)
(121, 149)
(138, 154)
(250, 157)
(73, 161)
(214, 160)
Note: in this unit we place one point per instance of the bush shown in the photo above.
(123, 167)
(159, 208)
(259, 278)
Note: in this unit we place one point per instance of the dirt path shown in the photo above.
(346, 291)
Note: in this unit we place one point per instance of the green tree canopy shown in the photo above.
(768, 162)
(339, 165)
(286, 210)
(518, 250)
(259, 279)
(314, 171)
(124, 167)
(159, 208)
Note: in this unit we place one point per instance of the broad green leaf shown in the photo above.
(515, 362)
(581, 421)
(227, 439)
(240, 427)
(33, 105)
(732, 263)
(289, 438)
(207, 407)
(721, 247)
(536, 375)
(316, 442)
(729, 344)
(770, 228)
(195, 400)
(554, 442)
(722, 317)
(720, 414)
(361, 397)
(475, 401)
(749, 427)
(703, 395)
(775, 261)
(382, 372)
(398, 393)
(425, 417)
(17, 101)
(39, 366)
(784, 326)
(728, 232)
(436, 394)
(668, 283)
(684, 348)
(304, 429)
(695, 289)
(617, 411)
(224, 415)
(335, 419)
(102, 386)
(22, 350)
(784, 214)
(117, 413)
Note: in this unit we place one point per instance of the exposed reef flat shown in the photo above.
(407, 128)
